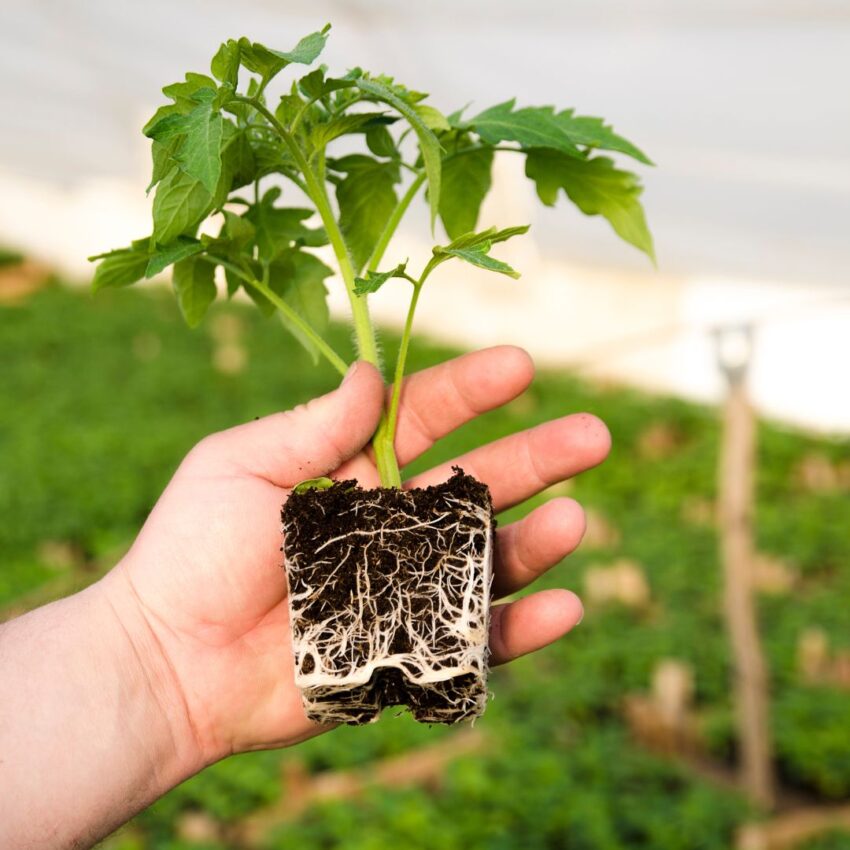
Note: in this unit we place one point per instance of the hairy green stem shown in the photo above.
(367, 346)
(401, 360)
(366, 343)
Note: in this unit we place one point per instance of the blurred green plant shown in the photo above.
(83, 380)
(9, 257)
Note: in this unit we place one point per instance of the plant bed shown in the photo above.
(389, 599)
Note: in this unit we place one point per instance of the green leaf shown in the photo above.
(194, 284)
(278, 227)
(465, 183)
(431, 117)
(201, 153)
(534, 126)
(379, 140)
(121, 267)
(238, 231)
(593, 132)
(313, 484)
(596, 187)
(490, 236)
(314, 85)
(237, 157)
(183, 247)
(322, 134)
(375, 280)
(428, 144)
(478, 256)
(194, 88)
(180, 204)
(268, 63)
(366, 200)
(298, 278)
(225, 63)
(164, 157)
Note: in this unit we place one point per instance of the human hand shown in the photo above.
(202, 588)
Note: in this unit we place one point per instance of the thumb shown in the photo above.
(310, 440)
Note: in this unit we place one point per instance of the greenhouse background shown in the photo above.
(623, 735)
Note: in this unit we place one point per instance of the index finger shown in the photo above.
(436, 401)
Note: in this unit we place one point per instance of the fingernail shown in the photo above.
(350, 373)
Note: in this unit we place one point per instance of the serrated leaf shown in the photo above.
(375, 280)
(237, 157)
(180, 204)
(189, 87)
(465, 184)
(322, 134)
(379, 140)
(180, 249)
(225, 63)
(596, 187)
(595, 133)
(428, 144)
(233, 243)
(432, 117)
(200, 155)
(491, 236)
(533, 126)
(238, 230)
(278, 227)
(121, 267)
(289, 106)
(478, 256)
(268, 63)
(194, 285)
(164, 160)
(366, 200)
(298, 278)
(162, 112)
(315, 86)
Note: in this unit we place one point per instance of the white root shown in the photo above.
(422, 620)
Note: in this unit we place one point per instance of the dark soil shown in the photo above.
(385, 574)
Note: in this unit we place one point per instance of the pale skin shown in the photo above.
(180, 655)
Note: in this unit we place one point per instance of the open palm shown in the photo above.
(206, 569)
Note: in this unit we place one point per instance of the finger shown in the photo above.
(523, 464)
(308, 441)
(527, 548)
(531, 623)
(436, 401)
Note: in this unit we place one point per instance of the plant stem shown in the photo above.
(332, 357)
(366, 343)
(367, 346)
(401, 360)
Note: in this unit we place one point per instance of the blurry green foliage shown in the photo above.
(99, 401)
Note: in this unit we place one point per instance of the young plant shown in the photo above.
(254, 184)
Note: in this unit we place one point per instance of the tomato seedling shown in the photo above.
(354, 151)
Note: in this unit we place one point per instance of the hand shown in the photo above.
(205, 572)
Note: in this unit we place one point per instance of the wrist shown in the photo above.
(176, 745)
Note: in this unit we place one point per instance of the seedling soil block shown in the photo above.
(389, 599)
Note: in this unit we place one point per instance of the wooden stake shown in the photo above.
(736, 492)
